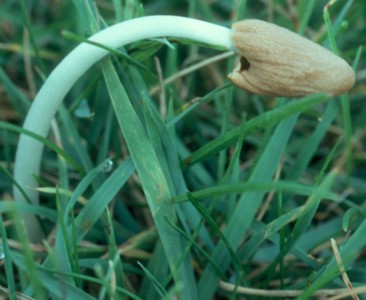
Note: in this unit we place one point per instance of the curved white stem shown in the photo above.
(75, 64)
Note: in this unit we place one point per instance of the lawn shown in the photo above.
(132, 168)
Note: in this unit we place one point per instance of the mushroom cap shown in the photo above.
(275, 61)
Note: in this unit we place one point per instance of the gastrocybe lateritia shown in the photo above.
(275, 61)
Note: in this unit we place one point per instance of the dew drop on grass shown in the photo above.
(107, 165)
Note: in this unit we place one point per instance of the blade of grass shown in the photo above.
(348, 216)
(118, 10)
(19, 101)
(305, 14)
(341, 16)
(9, 272)
(214, 227)
(267, 231)
(106, 276)
(158, 267)
(247, 205)
(64, 251)
(154, 184)
(239, 188)
(347, 117)
(101, 198)
(158, 287)
(106, 135)
(84, 184)
(197, 175)
(282, 234)
(311, 145)
(261, 122)
(357, 57)
(197, 247)
(225, 111)
(163, 142)
(28, 26)
(306, 217)
(348, 252)
(72, 139)
(10, 177)
(55, 285)
(46, 142)
(192, 238)
(327, 162)
(29, 263)
(189, 108)
(117, 53)
(113, 254)
(302, 223)
(91, 212)
(41, 211)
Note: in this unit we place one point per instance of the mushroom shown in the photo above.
(275, 61)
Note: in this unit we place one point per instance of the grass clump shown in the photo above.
(160, 179)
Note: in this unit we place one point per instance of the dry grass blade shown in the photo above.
(192, 69)
(343, 271)
(341, 293)
(4, 294)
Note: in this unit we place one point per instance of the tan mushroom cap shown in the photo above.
(275, 61)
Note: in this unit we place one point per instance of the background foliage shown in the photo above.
(253, 188)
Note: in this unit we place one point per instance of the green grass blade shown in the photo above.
(247, 205)
(195, 104)
(46, 142)
(101, 198)
(114, 255)
(348, 253)
(117, 53)
(84, 184)
(215, 228)
(239, 188)
(41, 211)
(89, 215)
(311, 145)
(26, 20)
(56, 286)
(72, 139)
(267, 231)
(158, 268)
(163, 143)
(64, 249)
(305, 13)
(154, 184)
(261, 122)
(158, 287)
(346, 110)
(29, 263)
(18, 100)
(6, 256)
(302, 223)
(107, 135)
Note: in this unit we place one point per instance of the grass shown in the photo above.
(197, 190)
